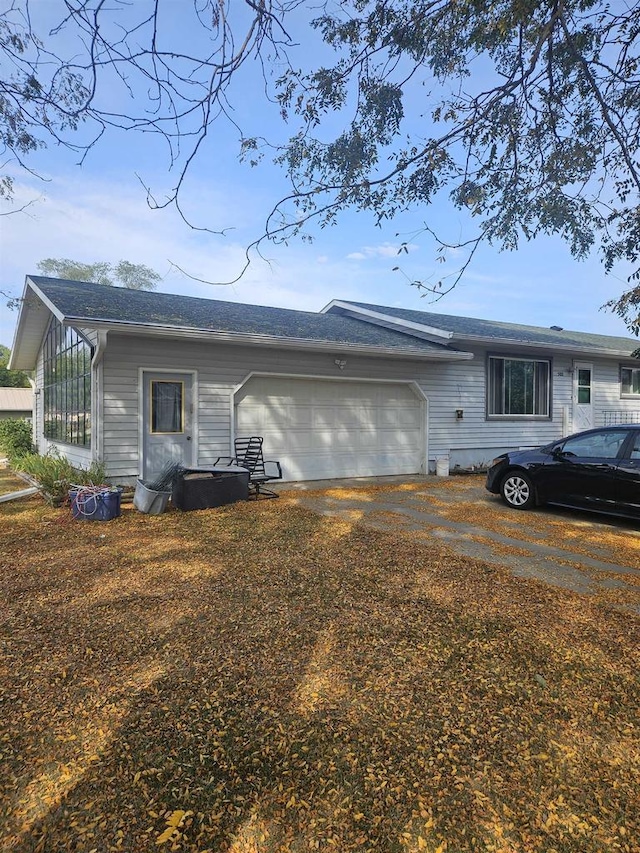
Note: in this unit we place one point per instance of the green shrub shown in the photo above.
(94, 475)
(52, 472)
(15, 437)
(56, 475)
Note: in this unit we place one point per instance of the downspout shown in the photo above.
(96, 397)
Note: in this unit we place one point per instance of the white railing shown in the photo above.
(615, 416)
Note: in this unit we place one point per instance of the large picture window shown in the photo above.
(67, 386)
(518, 387)
(630, 381)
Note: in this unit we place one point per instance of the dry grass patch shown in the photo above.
(9, 482)
(501, 547)
(261, 678)
(588, 534)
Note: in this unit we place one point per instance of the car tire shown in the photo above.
(518, 491)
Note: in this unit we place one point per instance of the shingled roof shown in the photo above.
(343, 325)
(94, 305)
(470, 329)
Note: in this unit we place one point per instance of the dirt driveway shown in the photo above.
(579, 551)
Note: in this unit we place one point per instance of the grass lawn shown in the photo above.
(260, 678)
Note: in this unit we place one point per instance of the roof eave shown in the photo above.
(513, 342)
(436, 334)
(23, 357)
(12, 364)
(273, 340)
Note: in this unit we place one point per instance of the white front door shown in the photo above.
(582, 396)
(167, 421)
(319, 428)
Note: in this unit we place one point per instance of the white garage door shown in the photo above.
(323, 429)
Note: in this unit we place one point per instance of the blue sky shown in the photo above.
(97, 211)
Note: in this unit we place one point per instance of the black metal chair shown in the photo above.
(248, 454)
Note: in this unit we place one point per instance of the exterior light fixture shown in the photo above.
(341, 363)
(459, 414)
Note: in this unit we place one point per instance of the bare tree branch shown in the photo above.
(527, 116)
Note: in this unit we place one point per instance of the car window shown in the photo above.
(635, 447)
(605, 444)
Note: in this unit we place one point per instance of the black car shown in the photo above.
(598, 469)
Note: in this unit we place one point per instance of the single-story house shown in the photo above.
(135, 379)
(16, 403)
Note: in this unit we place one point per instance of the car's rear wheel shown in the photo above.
(517, 490)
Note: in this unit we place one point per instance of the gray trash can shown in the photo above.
(149, 501)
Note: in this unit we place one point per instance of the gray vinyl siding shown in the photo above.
(606, 390)
(220, 369)
(475, 440)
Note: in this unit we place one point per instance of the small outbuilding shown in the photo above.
(16, 403)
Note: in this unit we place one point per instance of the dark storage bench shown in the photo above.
(203, 488)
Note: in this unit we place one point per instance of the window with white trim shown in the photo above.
(630, 381)
(518, 387)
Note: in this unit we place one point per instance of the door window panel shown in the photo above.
(584, 386)
(167, 407)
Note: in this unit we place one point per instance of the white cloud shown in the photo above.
(389, 250)
(93, 219)
(384, 250)
(98, 221)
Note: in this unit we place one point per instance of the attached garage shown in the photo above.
(321, 429)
